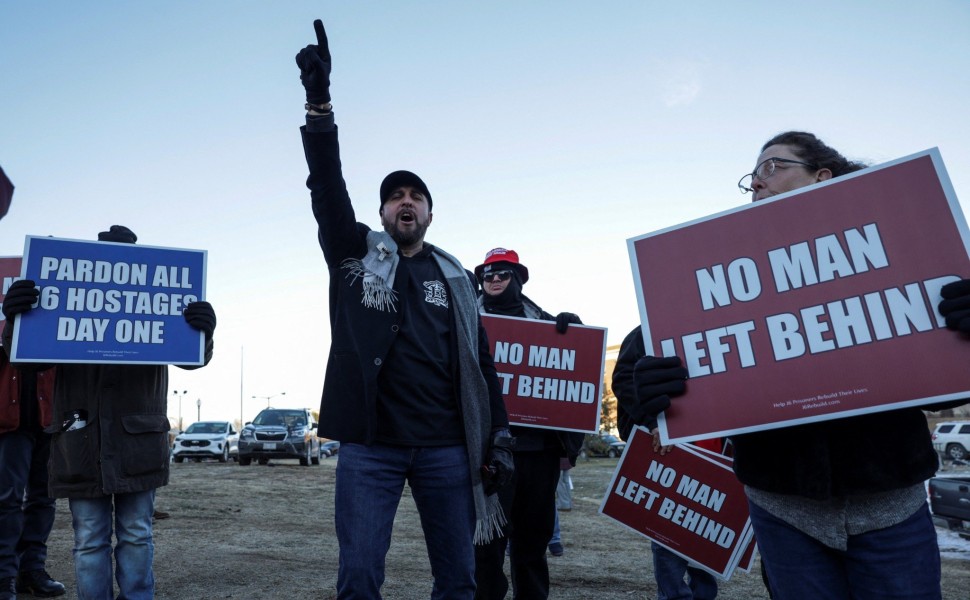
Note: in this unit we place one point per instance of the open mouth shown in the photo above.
(406, 217)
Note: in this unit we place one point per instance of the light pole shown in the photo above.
(180, 396)
(198, 407)
(268, 398)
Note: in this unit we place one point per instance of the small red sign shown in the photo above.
(549, 379)
(686, 500)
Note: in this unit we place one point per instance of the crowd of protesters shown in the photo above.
(412, 393)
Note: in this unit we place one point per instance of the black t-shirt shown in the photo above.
(416, 402)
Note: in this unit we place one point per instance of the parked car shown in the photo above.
(604, 444)
(950, 501)
(280, 433)
(952, 440)
(206, 439)
(329, 448)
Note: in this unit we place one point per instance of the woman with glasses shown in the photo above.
(838, 507)
(792, 160)
(529, 502)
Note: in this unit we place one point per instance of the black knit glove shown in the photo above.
(563, 320)
(314, 63)
(201, 316)
(499, 465)
(20, 298)
(657, 380)
(955, 306)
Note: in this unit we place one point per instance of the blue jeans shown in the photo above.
(556, 532)
(370, 481)
(26, 511)
(901, 561)
(669, 570)
(92, 518)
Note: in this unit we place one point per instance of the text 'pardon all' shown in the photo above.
(119, 273)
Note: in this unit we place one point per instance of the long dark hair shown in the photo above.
(809, 148)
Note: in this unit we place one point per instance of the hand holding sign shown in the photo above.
(563, 320)
(955, 306)
(657, 380)
(314, 62)
(20, 298)
(201, 316)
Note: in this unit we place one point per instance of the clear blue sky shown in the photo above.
(557, 128)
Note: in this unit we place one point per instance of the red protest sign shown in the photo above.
(9, 272)
(811, 305)
(549, 380)
(688, 502)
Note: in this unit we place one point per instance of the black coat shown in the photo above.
(361, 337)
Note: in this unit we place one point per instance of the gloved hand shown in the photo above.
(118, 233)
(201, 316)
(657, 379)
(955, 306)
(563, 320)
(499, 465)
(20, 298)
(314, 63)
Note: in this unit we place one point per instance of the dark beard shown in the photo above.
(406, 238)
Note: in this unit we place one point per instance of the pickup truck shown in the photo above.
(950, 501)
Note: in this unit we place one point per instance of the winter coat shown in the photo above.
(361, 336)
(123, 445)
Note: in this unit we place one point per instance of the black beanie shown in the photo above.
(402, 178)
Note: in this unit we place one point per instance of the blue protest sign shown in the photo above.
(105, 302)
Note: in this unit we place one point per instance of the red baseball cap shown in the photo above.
(501, 255)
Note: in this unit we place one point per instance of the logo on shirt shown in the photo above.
(436, 293)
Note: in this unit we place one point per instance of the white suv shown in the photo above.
(952, 439)
(207, 439)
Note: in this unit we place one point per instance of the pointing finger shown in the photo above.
(322, 40)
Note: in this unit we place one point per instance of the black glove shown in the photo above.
(657, 379)
(955, 306)
(499, 466)
(314, 63)
(563, 320)
(20, 298)
(201, 316)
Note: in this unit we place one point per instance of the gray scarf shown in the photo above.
(377, 268)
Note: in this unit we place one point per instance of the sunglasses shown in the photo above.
(499, 275)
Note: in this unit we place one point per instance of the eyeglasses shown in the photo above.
(766, 169)
(500, 275)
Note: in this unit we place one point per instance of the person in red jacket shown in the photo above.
(26, 509)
